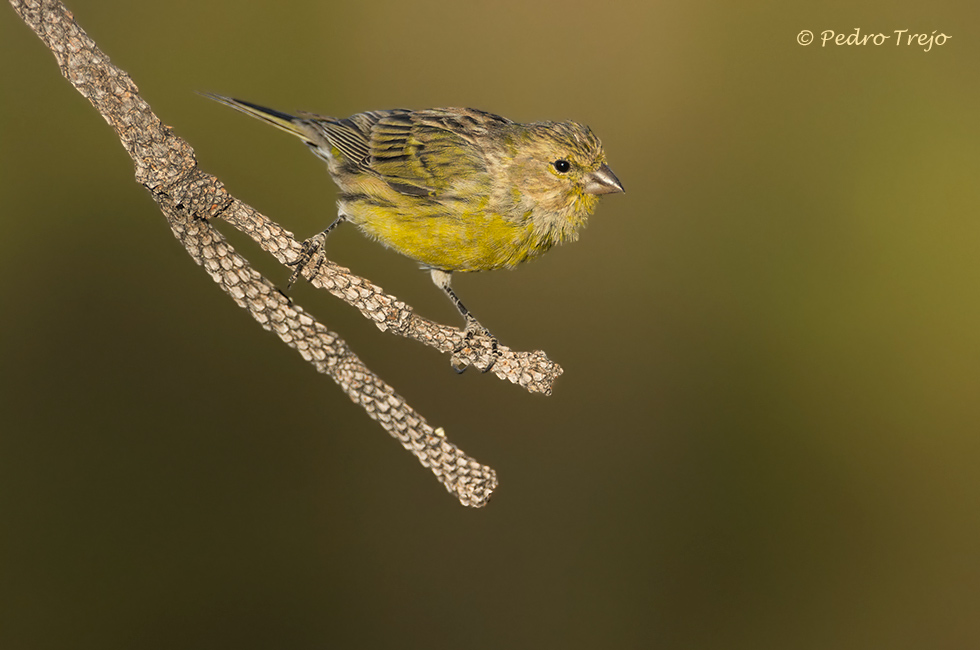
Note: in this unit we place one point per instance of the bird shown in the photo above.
(455, 189)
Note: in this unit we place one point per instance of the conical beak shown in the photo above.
(602, 181)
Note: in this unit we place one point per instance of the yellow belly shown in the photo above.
(435, 237)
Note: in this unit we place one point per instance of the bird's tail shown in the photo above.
(285, 121)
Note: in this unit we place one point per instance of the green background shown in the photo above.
(768, 430)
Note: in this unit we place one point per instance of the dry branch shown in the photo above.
(189, 198)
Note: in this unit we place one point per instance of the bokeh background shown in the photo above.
(768, 430)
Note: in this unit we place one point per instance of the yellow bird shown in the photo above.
(455, 189)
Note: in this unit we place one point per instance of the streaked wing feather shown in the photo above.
(425, 152)
(350, 135)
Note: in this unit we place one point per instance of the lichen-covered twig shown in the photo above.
(189, 198)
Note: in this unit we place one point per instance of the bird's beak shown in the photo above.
(602, 181)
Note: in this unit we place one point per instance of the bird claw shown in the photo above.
(473, 331)
(312, 248)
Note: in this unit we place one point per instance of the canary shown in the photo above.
(456, 189)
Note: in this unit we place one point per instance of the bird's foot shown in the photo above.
(310, 259)
(469, 352)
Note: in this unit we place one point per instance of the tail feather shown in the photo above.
(285, 121)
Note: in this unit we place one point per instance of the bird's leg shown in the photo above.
(473, 327)
(313, 247)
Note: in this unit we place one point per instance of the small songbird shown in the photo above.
(455, 189)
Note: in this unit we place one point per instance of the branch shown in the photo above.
(189, 198)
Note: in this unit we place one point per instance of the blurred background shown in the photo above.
(768, 430)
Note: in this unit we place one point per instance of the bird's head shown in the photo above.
(559, 171)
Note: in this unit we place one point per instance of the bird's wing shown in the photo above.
(351, 136)
(426, 153)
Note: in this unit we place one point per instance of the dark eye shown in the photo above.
(562, 166)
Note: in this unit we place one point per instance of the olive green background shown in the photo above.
(768, 430)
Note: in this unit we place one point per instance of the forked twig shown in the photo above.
(189, 198)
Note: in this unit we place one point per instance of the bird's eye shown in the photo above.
(562, 166)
